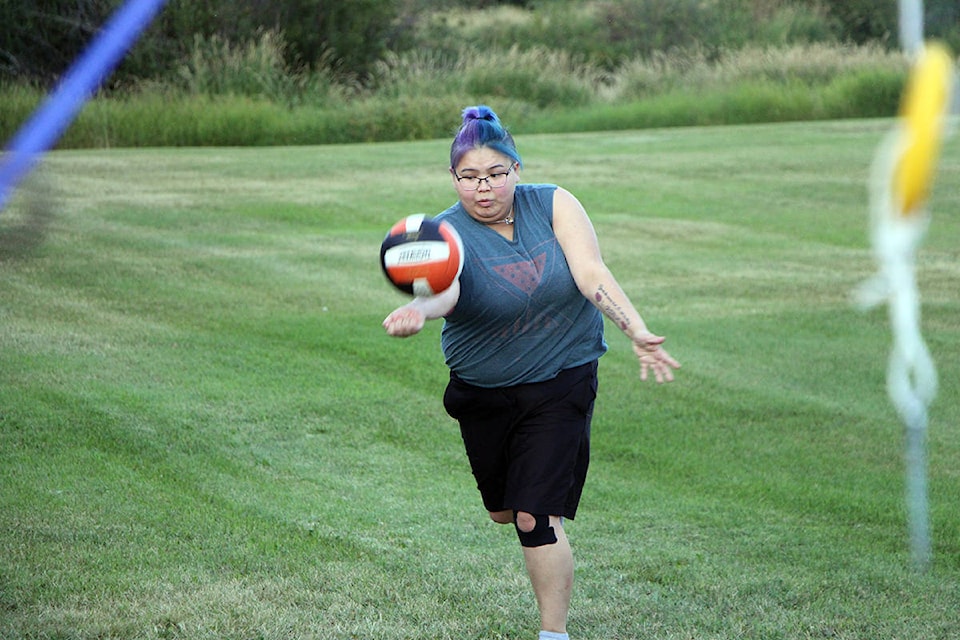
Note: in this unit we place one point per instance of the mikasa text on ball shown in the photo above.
(421, 256)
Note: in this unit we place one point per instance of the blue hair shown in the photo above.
(482, 128)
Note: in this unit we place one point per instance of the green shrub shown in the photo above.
(452, 30)
(863, 21)
(791, 24)
(16, 105)
(609, 33)
(872, 93)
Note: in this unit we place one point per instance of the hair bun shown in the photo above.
(482, 128)
(479, 112)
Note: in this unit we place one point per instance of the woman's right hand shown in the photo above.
(404, 321)
(410, 318)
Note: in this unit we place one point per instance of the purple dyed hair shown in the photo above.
(481, 128)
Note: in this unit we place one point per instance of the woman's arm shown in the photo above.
(578, 240)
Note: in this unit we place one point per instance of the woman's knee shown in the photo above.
(502, 517)
(536, 530)
(525, 522)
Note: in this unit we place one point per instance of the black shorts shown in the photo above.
(528, 445)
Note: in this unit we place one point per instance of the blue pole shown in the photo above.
(81, 80)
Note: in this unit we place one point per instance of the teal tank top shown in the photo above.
(520, 317)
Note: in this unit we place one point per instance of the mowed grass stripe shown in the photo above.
(205, 433)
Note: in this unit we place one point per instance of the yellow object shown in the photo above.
(923, 111)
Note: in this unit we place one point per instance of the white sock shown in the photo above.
(553, 635)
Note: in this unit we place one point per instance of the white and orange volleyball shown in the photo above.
(421, 256)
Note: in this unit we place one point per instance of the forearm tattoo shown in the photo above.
(611, 309)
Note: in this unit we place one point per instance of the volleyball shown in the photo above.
(421, 256)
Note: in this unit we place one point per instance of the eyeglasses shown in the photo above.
(494, 180)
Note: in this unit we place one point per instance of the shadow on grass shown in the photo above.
(24, 222)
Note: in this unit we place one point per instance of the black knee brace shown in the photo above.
(541, 534)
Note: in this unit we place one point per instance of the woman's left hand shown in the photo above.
(653, 357)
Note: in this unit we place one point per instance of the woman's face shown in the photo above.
(484, 202)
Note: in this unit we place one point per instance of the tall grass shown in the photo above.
(244, 95)
(814, 65)
(217, 67)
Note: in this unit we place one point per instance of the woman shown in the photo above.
(523, 330)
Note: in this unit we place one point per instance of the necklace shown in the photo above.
(507, 220)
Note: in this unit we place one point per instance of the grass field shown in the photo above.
(204, 432)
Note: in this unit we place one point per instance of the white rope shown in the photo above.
(896, 236)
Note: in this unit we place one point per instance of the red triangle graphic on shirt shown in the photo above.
(523, 274)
